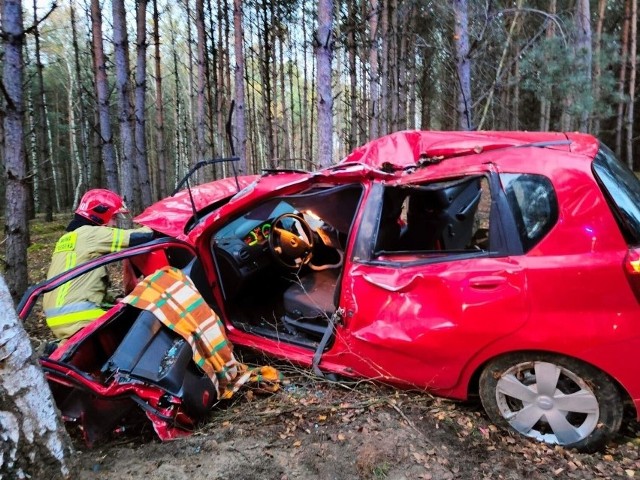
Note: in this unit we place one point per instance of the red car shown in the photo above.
(504, 265)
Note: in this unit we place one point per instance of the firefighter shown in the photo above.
(78, 302)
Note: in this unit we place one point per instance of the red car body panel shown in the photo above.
(170, 215)
(434, 326)
(407, 148)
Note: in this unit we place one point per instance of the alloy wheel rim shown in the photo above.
(547, 402)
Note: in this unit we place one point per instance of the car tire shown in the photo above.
(553, 399)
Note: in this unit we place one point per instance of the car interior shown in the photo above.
(441, 217)
(279, 264)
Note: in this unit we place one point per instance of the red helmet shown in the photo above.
(100, 205)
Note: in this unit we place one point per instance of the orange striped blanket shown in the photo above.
(174, 300)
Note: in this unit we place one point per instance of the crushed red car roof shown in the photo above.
(408, 148)
(170, 215)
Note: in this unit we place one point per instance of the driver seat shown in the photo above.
(310, 302)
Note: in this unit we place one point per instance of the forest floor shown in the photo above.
(313, 428)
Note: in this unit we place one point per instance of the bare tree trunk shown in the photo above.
(73, 140)
(324, 53)
(352, 136)
(220, 83)
(374, 86)
(463, 64)
(81, 139)
(585, 57)
(140, 97)
(45, 170)
(597, 72)
(622, 78)
(240, 135)
(305, 146)
(159, 106)
(192, 138)
(285, 128)
(16, 193)
(267, 45)
(34, 441)
(201, 147)
(385, 41)
(515, 104)
(632, 82)
(545, 102)
(225, 75)
(211, 75)
(102, 91)
(123, 93)
(179, 158)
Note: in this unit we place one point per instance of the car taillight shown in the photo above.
(632, 269)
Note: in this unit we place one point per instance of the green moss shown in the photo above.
(36, 246)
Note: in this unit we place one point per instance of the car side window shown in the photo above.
(436, 219)
(534, 204)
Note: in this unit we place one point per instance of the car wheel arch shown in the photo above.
(472, 384)
(591, 432)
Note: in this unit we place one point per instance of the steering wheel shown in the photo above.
(291, 241)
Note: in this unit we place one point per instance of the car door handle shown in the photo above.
(487, 282)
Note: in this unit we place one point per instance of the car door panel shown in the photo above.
(424, 322)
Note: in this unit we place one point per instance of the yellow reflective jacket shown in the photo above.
(81, 298)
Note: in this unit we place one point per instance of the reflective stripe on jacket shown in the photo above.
(79, 299)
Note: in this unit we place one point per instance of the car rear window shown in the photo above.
(534, 205)
(622, 189)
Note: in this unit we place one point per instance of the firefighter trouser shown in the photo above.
(66, 320)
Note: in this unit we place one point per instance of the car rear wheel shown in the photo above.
(552, 399)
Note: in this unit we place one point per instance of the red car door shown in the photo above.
(418, 310)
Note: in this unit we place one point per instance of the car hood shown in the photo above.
(410, 147)
(171, 215)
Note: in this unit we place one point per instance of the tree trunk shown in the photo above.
(622, 78)
(34, 441)
(597, 72)
(16, 194)
(178, 157)
(324, 53)
(584, 55)
(632, 82)
(43, 158)
(305, 147)
(352, 136)
(141, 91)
(162, 190)
(80, 136)
(201, 147)
(123, 92)
(374, 86)
(286, 127)
(385, 41)
(545, 102)
(211, 75)
(240, 136)
(102, 92)
(463, 64)
(267, 47)
(191, 130)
